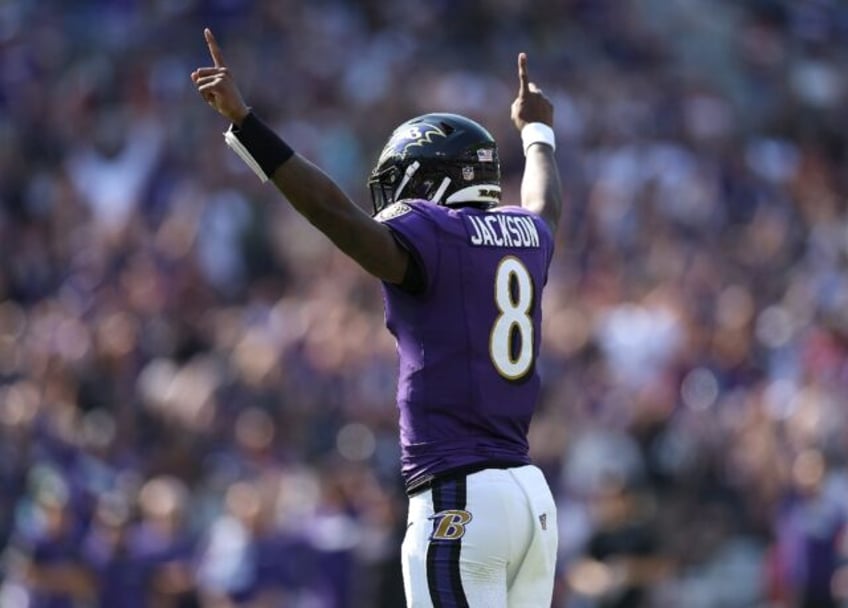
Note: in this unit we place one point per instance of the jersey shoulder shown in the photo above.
(419, 208)
(546, 235)
(521, 211)
(415, 213)
(393, 211)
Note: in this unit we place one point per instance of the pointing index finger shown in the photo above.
(523, 81)
(214, 49)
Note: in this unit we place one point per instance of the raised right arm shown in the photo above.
(533, 114)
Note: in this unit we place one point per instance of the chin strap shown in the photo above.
(437, 197)
(410, 171)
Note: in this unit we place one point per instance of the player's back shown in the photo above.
(468, 343)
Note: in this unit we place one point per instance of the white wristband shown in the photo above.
(537, 133)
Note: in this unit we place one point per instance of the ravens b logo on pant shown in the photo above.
(450, 524)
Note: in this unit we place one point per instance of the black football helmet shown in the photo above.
(444, 158)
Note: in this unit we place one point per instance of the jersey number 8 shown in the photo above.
(514, 299)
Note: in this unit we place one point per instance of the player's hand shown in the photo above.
(531, 105)
(216, 85)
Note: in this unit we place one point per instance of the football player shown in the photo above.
(462, 277)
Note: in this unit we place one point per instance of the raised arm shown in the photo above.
(319, 200)
(309, 190)
(533, 116)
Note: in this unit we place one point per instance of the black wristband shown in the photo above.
(266, 147)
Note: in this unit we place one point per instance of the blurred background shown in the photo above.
(196, 390)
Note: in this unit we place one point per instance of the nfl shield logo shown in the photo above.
(543, 520)
(468, 173)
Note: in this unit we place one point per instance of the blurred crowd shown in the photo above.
(196, 390)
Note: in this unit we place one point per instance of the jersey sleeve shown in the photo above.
(417, 233)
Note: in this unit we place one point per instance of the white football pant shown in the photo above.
(485, 540)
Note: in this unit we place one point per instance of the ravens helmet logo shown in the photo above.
(413, 136)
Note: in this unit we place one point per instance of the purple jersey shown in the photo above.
(467, 345)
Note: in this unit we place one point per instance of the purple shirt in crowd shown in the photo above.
(467, 345)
